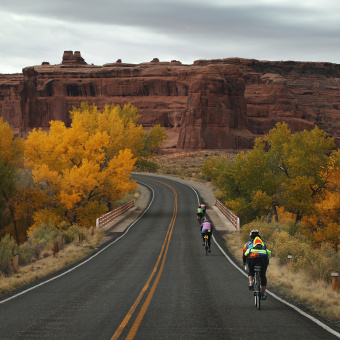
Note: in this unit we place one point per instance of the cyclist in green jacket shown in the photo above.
(256, 255)
(200, 214)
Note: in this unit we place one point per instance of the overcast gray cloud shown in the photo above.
(139, 30)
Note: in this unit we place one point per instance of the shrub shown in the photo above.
(41, 237)
(219, 195)
(26, 253)
(72, 233)
(319, 262)
(144, 165)
(7, 250)
(264, 227)
(283, 245)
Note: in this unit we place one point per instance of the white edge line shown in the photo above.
(90, 258)
(318, 322)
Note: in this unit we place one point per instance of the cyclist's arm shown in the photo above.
(247, 252)
(244, 259)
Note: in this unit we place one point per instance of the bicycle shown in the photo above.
(200, 218)
(257, 287)
(206, 244)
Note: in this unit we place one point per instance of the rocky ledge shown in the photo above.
(211, 104)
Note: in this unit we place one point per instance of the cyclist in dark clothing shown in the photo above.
(203, 206)
(255, 252)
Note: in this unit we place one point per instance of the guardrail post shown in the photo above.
(290, 261)
(56, 249)
(15, 262)
(81, 236)
(335, 278)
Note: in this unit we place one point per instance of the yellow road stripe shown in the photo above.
(140, 316)
(144, 308)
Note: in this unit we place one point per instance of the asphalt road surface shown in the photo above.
(154, 282)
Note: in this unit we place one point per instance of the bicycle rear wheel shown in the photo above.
(257, 291)
(206, 247)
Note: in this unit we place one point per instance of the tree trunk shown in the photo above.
(14, 224)
(298, 218)
(276, 214)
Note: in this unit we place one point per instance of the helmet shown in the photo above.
(254, 233)
(205, 220)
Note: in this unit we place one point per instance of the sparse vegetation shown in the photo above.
(37, 259)
(187, 165)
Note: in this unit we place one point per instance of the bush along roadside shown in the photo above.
(47, 250)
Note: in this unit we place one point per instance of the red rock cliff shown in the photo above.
(221, 103)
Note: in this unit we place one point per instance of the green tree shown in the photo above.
(283, 169)
(303, 164)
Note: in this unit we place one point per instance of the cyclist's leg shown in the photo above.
(251, 272)
(263, 274)
(202, 234)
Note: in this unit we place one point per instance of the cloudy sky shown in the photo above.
(186, 30)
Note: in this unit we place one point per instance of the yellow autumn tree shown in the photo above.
(78, 170)
(12, 176)
(121, 125)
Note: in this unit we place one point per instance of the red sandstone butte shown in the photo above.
(210, 104)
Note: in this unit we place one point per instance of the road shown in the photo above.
(155, 282)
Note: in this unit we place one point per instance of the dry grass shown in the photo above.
(317, 295)
(49, 264)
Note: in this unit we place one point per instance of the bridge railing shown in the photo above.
(234, 219)
(104, 220)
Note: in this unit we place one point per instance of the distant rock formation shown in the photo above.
(70, 58)
(210, 104)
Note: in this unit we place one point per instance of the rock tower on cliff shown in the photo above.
(70, 58)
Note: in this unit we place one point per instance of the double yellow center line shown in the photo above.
(161, 259)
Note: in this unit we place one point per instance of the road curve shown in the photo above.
(154, 282)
